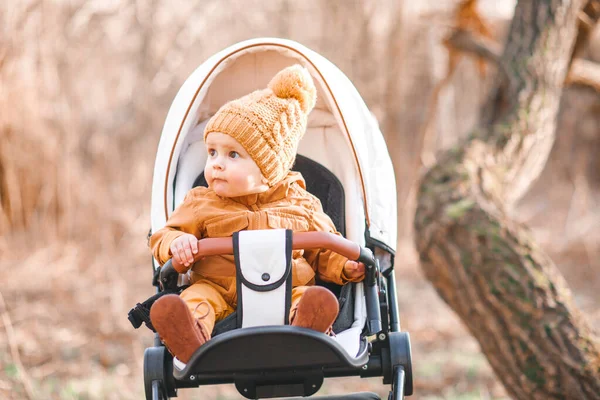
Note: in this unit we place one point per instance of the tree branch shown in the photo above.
(585, 73)
(582, 72)
(480, 46)
(588, 17)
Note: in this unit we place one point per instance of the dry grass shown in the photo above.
(84, 89)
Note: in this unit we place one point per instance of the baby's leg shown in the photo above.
(297, 293)
(185, 322)
(313, 307)
(206, 303)
(178, 329)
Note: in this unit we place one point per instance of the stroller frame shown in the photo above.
(385, 349)
(387, 355)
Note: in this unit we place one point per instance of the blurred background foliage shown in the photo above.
(84, 89)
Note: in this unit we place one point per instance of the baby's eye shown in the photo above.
(212, 152)
(233, 154)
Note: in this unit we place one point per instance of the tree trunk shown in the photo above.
(506, 290)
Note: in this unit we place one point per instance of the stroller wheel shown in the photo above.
(158, 374)
(158, 392)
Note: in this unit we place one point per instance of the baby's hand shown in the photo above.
(354, 270)
(183, 249)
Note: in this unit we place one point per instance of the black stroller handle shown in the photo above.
(300, 240)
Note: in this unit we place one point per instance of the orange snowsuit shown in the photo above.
(204, 214)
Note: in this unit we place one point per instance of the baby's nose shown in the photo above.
(217, 165)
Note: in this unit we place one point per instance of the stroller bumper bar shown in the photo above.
(301, 240)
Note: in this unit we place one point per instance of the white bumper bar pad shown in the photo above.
(263, 261)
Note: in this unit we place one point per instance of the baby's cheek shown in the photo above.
(207, 175)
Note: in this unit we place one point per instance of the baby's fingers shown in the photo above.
(355, 270)
(175, 253)
(193, 244)
(180, 255)
(360, 268)
(187, 254)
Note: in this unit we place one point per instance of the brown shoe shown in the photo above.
(178, 329)
(318, 308)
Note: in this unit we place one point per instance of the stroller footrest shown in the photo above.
(267, 350)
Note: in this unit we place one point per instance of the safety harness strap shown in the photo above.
(141, 312)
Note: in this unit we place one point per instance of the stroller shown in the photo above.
(345, 163)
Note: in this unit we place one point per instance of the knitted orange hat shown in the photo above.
(269, 123)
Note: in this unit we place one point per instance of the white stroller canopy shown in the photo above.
(342, 134)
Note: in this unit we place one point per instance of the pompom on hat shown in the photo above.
(269, 123)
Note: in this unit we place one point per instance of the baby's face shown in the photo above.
(229, 170)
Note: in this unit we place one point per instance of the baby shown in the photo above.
(251, 144)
